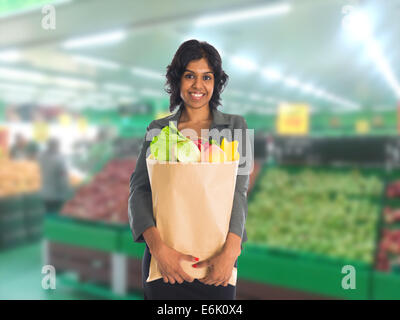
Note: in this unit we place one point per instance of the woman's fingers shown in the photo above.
(171, 279)
(178, 278)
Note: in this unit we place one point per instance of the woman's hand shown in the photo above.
(168, 261)
(220, 268)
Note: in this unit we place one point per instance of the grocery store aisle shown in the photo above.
(21, 277)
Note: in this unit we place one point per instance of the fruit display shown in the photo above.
(17, 177)
(393, 190)
(172, 145)
(105, 198)
(388, 256)
(323, 212)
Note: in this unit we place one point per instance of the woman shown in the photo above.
(195, 80)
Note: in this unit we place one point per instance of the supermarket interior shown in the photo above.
(317, 81)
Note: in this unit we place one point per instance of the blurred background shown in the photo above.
(318, 81)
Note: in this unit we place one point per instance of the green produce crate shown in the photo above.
(11, 204)
(129, 247)
(81, 233)
(304, 272)
(12, 238)
(385, 286)
(11, 220)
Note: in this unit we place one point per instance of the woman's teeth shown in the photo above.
(196, 95)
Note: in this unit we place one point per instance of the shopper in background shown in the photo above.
(19, 149)
(54, 177)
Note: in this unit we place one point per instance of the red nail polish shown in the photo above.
(194, 266)
(197, 259)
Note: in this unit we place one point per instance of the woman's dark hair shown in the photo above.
(188, 51)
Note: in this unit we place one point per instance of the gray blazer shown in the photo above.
(140, 208)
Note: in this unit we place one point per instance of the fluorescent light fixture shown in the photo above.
(244, 63)
(239, 15)
(10, 56)
(27, 76)
(27, 7)
(97, 62)
(117, 87)
(375, 52)
(291, 82)
(307, 88)
(95, 40)
(73, 83)
(147, 73)
(358, 25)
(271, 74)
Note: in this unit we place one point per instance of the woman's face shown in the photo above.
(197, 84)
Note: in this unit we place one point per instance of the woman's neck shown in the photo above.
(196, 115)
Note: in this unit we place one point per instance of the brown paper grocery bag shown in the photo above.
(192, 205)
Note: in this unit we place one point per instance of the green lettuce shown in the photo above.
(171, 145)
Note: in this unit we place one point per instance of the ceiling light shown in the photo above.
(291, 82)
(95, 40)
(97, 62)
(243, 15)
(117, 87)
(244, 64)
(271, 74)
(16, 74)
(147, 73)
(73, 83)
(10, 56)
(357, 24)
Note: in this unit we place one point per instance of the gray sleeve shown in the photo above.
(239, 208)
(140, 205)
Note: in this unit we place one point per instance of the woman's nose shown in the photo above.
(198, 83)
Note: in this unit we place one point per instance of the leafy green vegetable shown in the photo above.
(171, 145)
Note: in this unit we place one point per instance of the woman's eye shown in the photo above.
(207, 78)
(188, 76)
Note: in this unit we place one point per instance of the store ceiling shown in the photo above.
(307, 43)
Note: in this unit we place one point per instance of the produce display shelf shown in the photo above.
(128, 246)
(301, 271)
(102, 291)
(99, 236)
(385, 286)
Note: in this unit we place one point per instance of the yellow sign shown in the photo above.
(293, 119)
(362, 126)
(82, 124)
(40, 131)
(64, 119)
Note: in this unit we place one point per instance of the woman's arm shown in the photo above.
(239, 207)
(140, 206)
